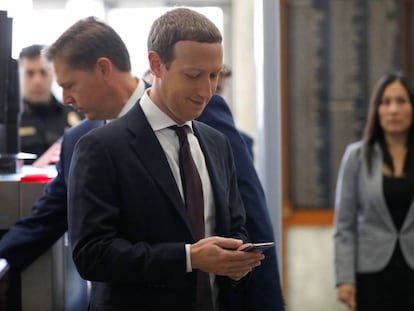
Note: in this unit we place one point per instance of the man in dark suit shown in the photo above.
(30, 237)
(131, 213)
(263, 291)
(119, 90)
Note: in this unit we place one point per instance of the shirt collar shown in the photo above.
(136, 95)
(157, 118)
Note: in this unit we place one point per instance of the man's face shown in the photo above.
(87, 90)
(185, 88)
(36, 79)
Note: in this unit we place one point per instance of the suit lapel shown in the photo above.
(409, 218)
(375, 188)
(149, 151)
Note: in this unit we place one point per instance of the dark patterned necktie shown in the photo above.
(194, 203)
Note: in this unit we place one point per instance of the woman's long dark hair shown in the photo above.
(373, 131)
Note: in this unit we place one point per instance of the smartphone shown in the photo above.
(259, 246)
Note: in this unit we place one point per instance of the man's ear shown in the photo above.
(155, 63)
(104, 65)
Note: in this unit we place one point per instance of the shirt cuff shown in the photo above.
(188, 258)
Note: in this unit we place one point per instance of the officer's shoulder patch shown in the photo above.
(27, 131)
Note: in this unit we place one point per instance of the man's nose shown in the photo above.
(39, 76)
(67, 99)
(206, 88)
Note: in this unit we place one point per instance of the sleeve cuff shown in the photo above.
(188, 258)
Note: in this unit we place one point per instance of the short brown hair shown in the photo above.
(87, 40)
(179, 25)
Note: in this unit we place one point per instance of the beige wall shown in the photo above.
(244, 79)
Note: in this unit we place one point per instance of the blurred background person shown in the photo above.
(222, 83)
(374, 220)
(44, 118)
(223, 80)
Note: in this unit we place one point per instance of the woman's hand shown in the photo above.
(346, 294)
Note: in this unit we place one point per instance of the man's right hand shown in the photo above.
(222, 256)
(346, 294)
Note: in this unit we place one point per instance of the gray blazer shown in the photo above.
(365, 235)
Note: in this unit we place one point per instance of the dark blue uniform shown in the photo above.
(42, 125)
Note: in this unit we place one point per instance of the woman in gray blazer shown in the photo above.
(374, 213)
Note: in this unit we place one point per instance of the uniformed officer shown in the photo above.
(44, 118)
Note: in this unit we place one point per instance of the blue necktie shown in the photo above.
(194, 203)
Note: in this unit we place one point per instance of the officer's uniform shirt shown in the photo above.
(42, 125)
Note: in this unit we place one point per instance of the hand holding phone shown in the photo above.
(258, 247)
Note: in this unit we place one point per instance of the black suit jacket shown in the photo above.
(127, 220)
(263, 291)
(33, 235)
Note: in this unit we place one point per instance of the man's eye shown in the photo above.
(44, 73)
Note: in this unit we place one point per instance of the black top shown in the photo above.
(398, 193)
(398, 196)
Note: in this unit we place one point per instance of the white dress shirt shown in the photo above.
(168, 139)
